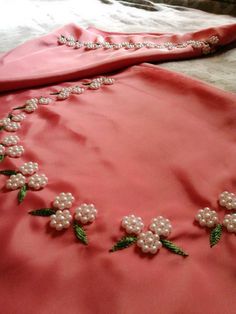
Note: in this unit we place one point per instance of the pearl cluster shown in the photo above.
(10, 140)
(15, 151)
(230, 222)
(2, 149)
(63, 200)
(149, 242)
(38, 181)
(207, 217)
(66, 91)
(12, 126)
(29, 168)
(227, 200)
(18, 117)
(85, 213)
(4, 121)
(61, 219)
(15, 181)
(98, 82)
(132, 224)
(70, 41)
(44, 100)
(161, 226)
(31, 105)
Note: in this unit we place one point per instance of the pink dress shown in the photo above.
(153, 143)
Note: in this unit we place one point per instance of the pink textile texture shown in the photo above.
(154, 143)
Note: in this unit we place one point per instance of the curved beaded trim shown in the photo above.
(205, 45)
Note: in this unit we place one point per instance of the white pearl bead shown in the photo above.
(85, 213)
(15, 181)
(149, 242)
(132, 224)
(161, 226)
(63, 200)
(207, 217)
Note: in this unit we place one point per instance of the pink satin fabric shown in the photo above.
(154, 143)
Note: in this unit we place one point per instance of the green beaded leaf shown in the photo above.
(22, 193)
(123, 243)
(172, 247)
(80, 232)
(2, 157)
(215, 235)
(8, 173)
(44, 212)
(18, 108)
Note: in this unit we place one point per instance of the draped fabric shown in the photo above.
(153, 143)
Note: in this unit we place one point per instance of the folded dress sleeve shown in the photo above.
(44, 61)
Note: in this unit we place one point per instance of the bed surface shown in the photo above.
(25, 19)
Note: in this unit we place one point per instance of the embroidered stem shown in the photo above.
(8, 173)
(172, 247)
(123, 243)
(43, 212)
(80, 233)
(2, 157)
(22, 193)
(215, 235)
(18, 108)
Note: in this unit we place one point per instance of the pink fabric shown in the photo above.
(40, 62)
(154, 143)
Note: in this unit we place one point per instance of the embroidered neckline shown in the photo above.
(205, 44)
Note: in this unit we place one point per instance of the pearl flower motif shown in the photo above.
(2, 149)
(15, 181)
(29, 168)
(18, 117)
(161, 226)
(63, 200)
(77, 90)
(64, 93)
(207, 217)
(227, 200)
(213, 40)
(31, 101)
(44, 100)
(149, 242)
(5, 121)
(38, 181)
(10, 140)
(12, 126)
(230, 222)
(15, 151)
(94, 85)
(85, 213)
(132, 224)
(61, 219)
(108, 81)
(31, 107)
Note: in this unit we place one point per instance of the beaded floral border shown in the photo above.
(149, 241)
(207, 217)
(207, 45)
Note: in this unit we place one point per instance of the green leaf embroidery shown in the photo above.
(80, 233)
(8, 172)
(123, 243)
(44, 212)
(215, 235)
(172, 247)
(1, 127)
(2, 157)
(22, 193)
(18, 108)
